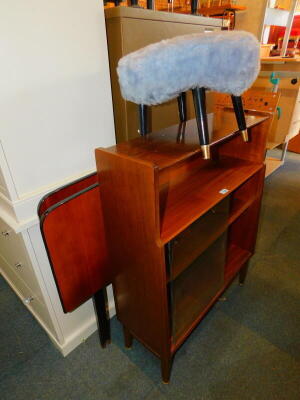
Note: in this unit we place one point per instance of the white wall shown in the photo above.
(55, 96)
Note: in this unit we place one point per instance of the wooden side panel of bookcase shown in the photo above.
(130, 204)
(254, 151)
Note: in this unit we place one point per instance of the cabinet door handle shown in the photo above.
(28, 300)
(5, 233)
(18, 265)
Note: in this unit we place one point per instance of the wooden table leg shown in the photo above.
(243, 273)
(128, 338)
(166, 364)
(102, 313)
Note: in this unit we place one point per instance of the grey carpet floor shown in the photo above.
(248, 347)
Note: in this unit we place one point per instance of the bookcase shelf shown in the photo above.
(179, 228)
(236, 256)
(187, 201)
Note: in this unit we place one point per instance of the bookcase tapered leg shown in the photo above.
(128, 338)
(166, 365)
(243, 273)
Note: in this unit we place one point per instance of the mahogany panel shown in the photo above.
(244, 196)
(193, 289)
(236, 258)
(129, 196)
(73, 234)
(243, 231)
(60, 194)
(294, 144)
(183, 203)
(188, 245)
(254, 150)
(178, 143)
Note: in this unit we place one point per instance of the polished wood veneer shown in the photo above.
(179, 228)
(72, 228)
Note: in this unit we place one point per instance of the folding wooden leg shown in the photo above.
(128, 338)
(150, 4)
(181, 100)
(102, 313)
(243, 274)
(166, 365)
(194, 5)
(240, 116)
(143, 119)
(201, 117)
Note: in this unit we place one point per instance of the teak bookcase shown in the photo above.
(179, 228)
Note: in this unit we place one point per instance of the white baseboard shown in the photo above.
(78, 337)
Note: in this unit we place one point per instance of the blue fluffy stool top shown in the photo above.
(224, 61)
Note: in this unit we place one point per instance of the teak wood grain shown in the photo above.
(73, 233)
(175, 144)
(294, 144)
(152, 190)
(62, 193)
(131, 224)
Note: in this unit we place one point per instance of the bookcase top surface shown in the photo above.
(179, 142)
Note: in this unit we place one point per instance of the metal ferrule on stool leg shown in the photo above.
(240, 116)
(143, 119)
(201, 118)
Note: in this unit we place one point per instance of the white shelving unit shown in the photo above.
(56, 109)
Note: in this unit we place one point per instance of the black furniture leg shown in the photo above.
(100, 305)
(134, 3)
(150, 4)
(128, 338)
(143, 119)
(181, 132)
(240, 116)
(194, 7)
(181, 100)
(243, 273)
(201, 118)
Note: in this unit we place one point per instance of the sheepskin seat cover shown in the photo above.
(224, 61)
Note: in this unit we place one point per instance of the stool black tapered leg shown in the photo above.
(240, 116)
(143, 119)
(201, 118)
(181, 100)
(194, 6)
(102, 313)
